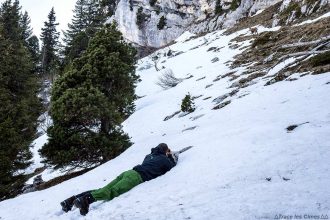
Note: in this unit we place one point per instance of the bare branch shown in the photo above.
(300, 44)
(168, 80)
(304, 53)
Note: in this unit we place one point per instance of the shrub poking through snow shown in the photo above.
(321, 59)
(218, 8)
(152, 2)
(235, 4)
(168, 80)
(141, 18)
(161, 23)
(187, 104)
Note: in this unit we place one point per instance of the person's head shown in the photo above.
(164, 148)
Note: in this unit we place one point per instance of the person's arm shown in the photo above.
(175, 156)
(172, 159)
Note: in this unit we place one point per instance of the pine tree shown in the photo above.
(49, 38)
(89, 16)
(33, 48)
(20, 106)
(25, 24)
(78, 23)
(90, 101)
(187, 104)
(31, 42)
(161, 23)
(10, 17)
(141, 18)
(109, 6)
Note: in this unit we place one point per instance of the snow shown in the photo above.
(264, 29)
(258, 12)
(314, 20)
(235, 148)
(36, 146)
(185, 36)
(281, 65)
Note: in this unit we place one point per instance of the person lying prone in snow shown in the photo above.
(155, 164)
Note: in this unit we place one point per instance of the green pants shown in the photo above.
(123, 183)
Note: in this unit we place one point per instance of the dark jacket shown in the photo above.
(154, 164)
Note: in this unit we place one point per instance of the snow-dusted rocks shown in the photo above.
(195, 15)
(199, 16)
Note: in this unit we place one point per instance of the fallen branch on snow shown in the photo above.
(300, 44)
(304, 53)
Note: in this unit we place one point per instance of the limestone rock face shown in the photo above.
(193, 15)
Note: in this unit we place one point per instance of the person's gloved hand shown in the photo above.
(175, 156)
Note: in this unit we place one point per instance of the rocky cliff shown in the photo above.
(155, 23)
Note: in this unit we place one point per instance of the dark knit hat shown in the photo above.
(163, 147)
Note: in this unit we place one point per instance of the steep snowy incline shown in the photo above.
(245, 164)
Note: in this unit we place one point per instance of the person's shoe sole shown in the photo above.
(77, 204)
(64, 206)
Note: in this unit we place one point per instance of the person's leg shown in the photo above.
(83, 202)
(126, 181)
(68, 203)
(113, 182)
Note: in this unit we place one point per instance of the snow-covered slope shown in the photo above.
(245, 164)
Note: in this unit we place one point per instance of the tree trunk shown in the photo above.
(105, 126)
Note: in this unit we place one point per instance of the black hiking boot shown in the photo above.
(83, 202)
(67, 204)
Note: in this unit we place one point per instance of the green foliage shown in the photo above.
(235, 4)
(20, 106)
(90, 101)
(10, 20)
(218, 8)
(33, 48)
(77, 46)
(152, 2)
(109, 6)
(89, 16)
(25, 24)
(141, 18)
(187, 104)
(158, 9)
(30, 41)
(162, 23)
(321, 59)
(49, 51)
